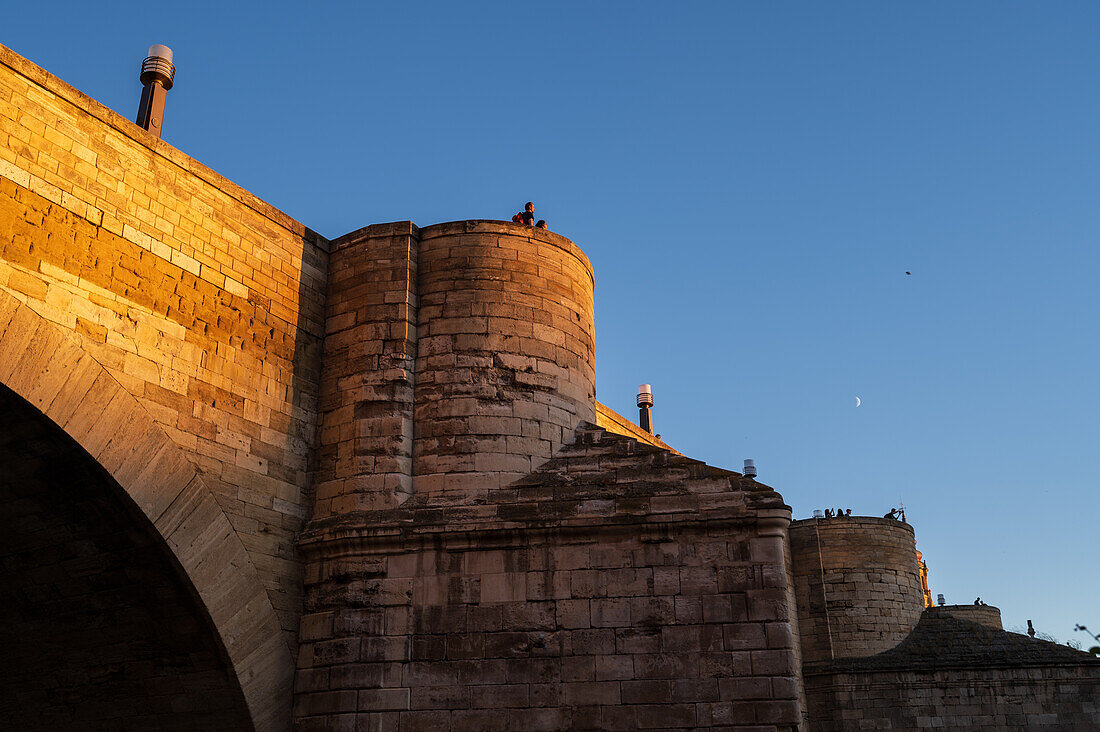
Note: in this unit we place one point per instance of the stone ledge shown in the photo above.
(490, 226)
(360, 541)
(376, 231)
(601, 483)
(839, 523)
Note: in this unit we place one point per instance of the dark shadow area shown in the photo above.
(100, 628)
(305, 384)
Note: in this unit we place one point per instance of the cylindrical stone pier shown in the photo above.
(366, 409)
(458, 358)
(505, 365)
(986, 615)
(857, 586)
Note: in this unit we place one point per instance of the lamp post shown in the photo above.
(645, 402)
(157, 73)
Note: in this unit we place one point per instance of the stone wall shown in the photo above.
(518, 581)
(506, 353)
(856, 583)
(457, 357)
(203, 302)
(366, 423)
(987, 615)
(618, 586)
(954, 673)
(471, 566)
(1025, 697)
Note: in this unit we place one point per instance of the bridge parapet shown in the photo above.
(200, 300)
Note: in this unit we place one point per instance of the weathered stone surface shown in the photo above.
(507, 365)
(544, 594)
(366, 419)
(201, 302)
(956, 674)
(986, 615)
(857, 586)
(170, 323)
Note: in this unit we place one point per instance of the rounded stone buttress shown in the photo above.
(506, 353)
(986, 615)
(857, 586)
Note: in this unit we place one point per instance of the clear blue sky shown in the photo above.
(752, 181)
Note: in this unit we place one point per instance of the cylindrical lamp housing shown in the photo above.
(157, 75)
(645, 402)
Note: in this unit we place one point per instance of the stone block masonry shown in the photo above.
(506, 353)
(954, 673)
(985, 614)
(202, 301)
(856, 585)
(475, 561)
(479, 553)
(458, 357)
(617, 587)
(367, 401)
(1044, 698)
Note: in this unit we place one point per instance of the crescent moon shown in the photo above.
(858, 401)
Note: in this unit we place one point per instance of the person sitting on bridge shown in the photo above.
(526, 216)
(541, 224)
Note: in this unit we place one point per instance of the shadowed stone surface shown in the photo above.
(940, 641)
(856, 583)
(955, 674)
(617, 586)
(986, 615)
(98, 628)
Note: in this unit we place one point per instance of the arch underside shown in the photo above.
(99, 628)
(167, 583)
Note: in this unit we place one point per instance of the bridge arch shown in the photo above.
(50, 371)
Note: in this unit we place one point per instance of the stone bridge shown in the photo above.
(161, 335)
(251, 479)
(159, 357)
